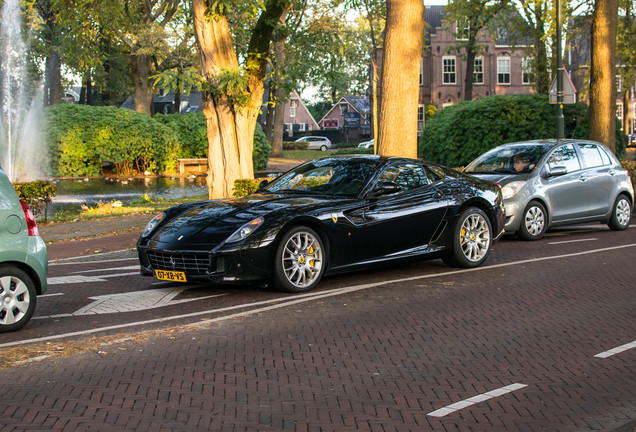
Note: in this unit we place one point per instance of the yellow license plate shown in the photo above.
(173, 276)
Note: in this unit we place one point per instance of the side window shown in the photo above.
(591, 155)
(407, 176)
(564, 156)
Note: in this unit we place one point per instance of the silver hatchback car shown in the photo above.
(546, 183)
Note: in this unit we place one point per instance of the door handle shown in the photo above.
(437, 195)
(583, 179)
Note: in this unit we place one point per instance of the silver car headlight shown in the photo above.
(511, 189)
(153, 224)
(245, 230)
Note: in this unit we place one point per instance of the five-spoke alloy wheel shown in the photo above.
(300, 260)
(472, 239)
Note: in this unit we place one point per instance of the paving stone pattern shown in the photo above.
(374, 360)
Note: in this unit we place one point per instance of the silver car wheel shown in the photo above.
(623, 211)
(302, 259)
(475, 237)
(534, 220)
(15, 300)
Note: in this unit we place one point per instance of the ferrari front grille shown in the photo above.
(189, 263)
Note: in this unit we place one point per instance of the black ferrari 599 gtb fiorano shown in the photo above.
(326, 216)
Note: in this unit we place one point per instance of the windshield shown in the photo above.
(512, 159)
(329, 176)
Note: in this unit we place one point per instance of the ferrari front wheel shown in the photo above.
(472, 239)
(300, 260)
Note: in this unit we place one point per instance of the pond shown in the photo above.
(73, 193)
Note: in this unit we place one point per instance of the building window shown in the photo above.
(420, 117)
(525, 71)
(478, 71)
(343, 108)
(292, 108)
(619, 111)
(449, 70)
(618, 84)
(463, 29)
(503, 70)
(421, 71)
(301, 127)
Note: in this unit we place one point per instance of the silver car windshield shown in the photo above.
(331, 176)
(513, 159)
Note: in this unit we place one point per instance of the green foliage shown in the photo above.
(353, 151)
(37, 194)
(192, 133)
(244, 187)
(80, 138)
(262, 149)
(231, 84)
(459, 133)
(293, 145)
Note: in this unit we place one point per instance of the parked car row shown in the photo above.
(337, 214)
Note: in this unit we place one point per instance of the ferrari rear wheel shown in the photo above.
(472, 239)
(300, 260)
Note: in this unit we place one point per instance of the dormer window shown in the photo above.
(462, 29)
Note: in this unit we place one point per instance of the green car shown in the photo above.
(23, 259)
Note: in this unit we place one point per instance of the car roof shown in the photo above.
(550, 142)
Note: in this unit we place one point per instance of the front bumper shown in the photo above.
(245, 264)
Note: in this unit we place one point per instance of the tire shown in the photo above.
(17, 298)
(300, 260)
(323, 148)
(621, 215)
(472, 239)
(534, 222)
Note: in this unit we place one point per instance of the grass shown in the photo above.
(115, 208)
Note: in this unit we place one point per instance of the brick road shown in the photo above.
(376, 359)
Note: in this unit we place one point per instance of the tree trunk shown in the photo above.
(230, 131)
(400, 78)
(279, 122)
(269, 117)
(53, 79)
(602, 73)
(470, 67)
(141, 71)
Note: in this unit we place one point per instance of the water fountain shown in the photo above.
(22, 154)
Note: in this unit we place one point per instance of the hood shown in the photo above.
(209, 223)
(502, 179)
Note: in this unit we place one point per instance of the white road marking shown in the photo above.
(573, 241)
(301, 298)
(71, 260)
(617, 350)
(449, 409)
(61, 280)
(132, 267)
(50, 295)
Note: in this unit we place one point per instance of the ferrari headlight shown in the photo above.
(153, 224)
(511, 189)
(245, 230)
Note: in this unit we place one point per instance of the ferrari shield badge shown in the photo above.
(334, 217)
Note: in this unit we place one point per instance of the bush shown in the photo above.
(37, 194)
(459, 133)
(262, 149)
(82, 137)
(192, 133)
(244, 187)
(293, 145)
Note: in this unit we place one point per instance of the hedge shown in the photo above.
(459, 133)
(81, 138)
